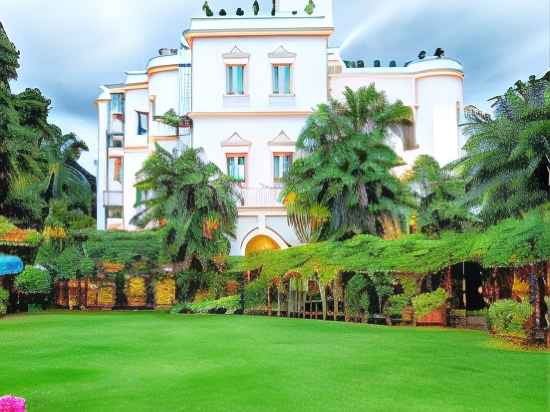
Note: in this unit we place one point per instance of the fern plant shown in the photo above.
(507, 160)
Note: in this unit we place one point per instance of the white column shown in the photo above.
(102, 159)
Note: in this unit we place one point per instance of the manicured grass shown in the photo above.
(159, 362)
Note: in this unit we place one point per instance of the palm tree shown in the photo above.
(347, 164)
(64, 179)
(438, 193)
(507, 160)
(194, 201)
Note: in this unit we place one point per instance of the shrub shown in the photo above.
(228, 305)
(33, 281)
(426, 303)
(181, 308)
(4, 299)
(357, 297)
(508, 317)
(255, 294)
(396, 305)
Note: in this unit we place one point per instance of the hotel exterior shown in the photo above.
(249, 83)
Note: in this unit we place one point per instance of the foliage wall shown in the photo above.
(87, 252)
(513, 242)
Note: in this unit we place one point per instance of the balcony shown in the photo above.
(112, 198)
(117, 124)
(261, 197)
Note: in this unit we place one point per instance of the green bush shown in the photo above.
(426, 303)
(508, 317)
(357, 296)
(33, 281)
(228, 305)
(181, 308)
(4, 299)
(255, 294)
(396, 305)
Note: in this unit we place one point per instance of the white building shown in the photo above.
(249, 83)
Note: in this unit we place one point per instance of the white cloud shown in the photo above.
(69, 48)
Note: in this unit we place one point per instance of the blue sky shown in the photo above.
(69, 48)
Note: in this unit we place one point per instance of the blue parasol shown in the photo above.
(10, 265)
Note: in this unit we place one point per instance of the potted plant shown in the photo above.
(310, 7)
(431, 308)
(509, 319)
(395, 307)
(207, 10)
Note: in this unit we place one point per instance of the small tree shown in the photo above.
(383, 285)
(357, 297)
(439, 195)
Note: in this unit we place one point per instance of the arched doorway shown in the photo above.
(260, 243)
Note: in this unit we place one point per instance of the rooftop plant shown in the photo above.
(310, 7)
(207, 10)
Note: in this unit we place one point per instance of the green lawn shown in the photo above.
(159, 362)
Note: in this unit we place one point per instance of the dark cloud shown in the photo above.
(69, 48)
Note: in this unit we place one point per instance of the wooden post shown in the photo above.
(535, 295)
(278, 302)
(449, 281)
(323, 292)
(269, 308)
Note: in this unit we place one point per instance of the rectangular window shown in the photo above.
(235, 80)
(281, 79)
(143, 123)
(115, 212)
(281, 166)
(117, 103)
(236, 168)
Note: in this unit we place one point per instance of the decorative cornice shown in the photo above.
(281, 53)
(161, 69)
(236, 141)
(282, 139)
(236, 53)
(195, 115)
(197, 34)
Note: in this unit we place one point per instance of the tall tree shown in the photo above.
(439, 195)
(194, 201)
(9, 59)
(347, 164)
(20, 171)
(507, 160)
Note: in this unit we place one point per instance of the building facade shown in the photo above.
(249, 83)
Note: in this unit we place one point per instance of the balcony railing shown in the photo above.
(111, 198)
(260, 197)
